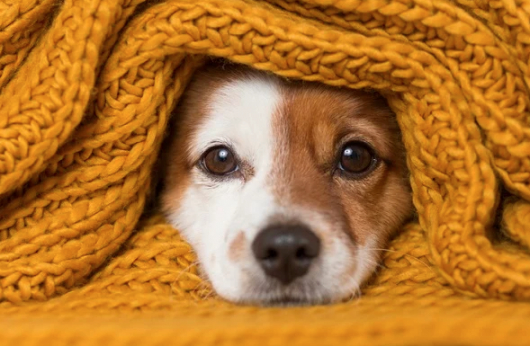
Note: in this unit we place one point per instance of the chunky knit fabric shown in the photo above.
(86, 89)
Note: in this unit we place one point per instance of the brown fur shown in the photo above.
(237, 247)
(312, 121)
(190, 112)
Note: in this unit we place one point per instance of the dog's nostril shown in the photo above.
(285, 252)
(301, 253)
(271, 254)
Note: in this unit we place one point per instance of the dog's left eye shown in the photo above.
(219, 161)
(357, 158)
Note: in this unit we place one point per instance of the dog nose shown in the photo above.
(285, 252)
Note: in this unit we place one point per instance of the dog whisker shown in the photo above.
(186, 270)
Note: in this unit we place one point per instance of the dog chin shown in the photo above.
(286, 300)
(272, 294)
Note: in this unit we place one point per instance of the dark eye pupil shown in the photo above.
(219, 161)
(356, 157)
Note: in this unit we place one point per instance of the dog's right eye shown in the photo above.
(357, 158)
(219, 161)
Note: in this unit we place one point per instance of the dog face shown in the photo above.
(286, 190)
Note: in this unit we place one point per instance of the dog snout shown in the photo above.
(285, 252)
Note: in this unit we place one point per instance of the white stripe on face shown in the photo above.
(239, 115)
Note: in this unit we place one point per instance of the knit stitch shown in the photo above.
(86, 90)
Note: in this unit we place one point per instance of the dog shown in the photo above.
(287, 190)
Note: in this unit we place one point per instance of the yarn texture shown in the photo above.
(86, 91)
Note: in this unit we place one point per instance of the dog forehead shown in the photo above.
(240, 113)
(318, 118)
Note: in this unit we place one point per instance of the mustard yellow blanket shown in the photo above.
(86, 89)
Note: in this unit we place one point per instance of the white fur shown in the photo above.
(240, 115)
(212, 213)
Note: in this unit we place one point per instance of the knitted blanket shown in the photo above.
(86, 89)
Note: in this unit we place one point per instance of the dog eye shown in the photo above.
(357, 158)
(219, 161)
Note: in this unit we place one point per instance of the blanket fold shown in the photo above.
(86, 90)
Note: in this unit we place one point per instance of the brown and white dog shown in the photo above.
(286, 190)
